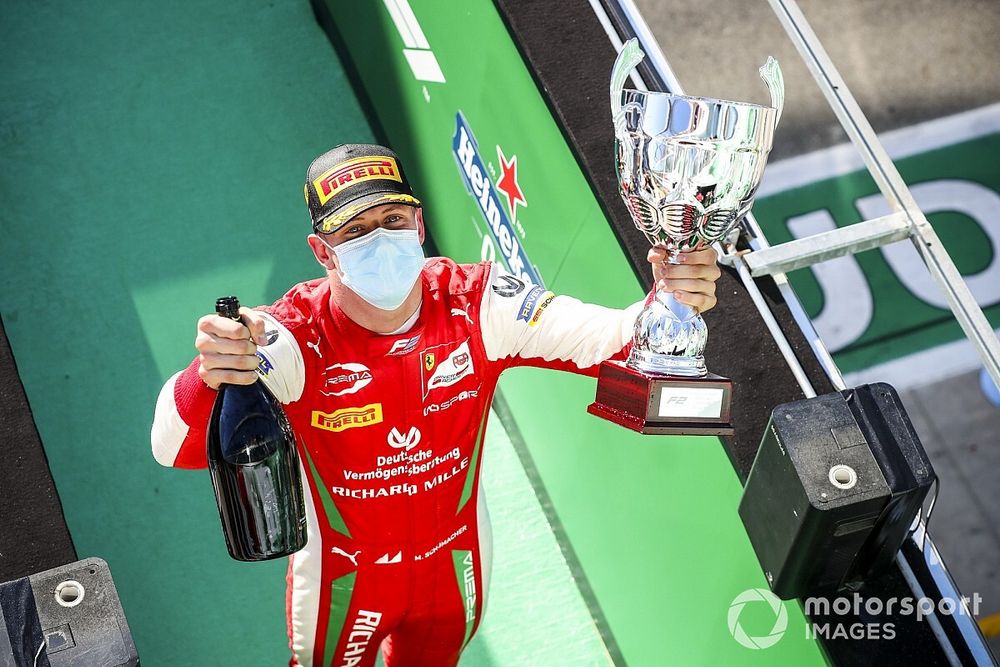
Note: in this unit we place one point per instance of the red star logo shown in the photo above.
(508, 183)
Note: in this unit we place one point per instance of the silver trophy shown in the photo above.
(688, 169)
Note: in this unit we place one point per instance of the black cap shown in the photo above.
(350, 179)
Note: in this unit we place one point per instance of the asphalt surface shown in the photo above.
(905, 61)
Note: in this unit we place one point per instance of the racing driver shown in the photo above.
(387, 367)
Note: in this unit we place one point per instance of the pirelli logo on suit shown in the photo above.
(345, 418)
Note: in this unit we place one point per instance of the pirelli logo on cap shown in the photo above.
(352, 172)
(345, 418)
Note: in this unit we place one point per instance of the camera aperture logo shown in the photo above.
(842, 617)
(757, 596)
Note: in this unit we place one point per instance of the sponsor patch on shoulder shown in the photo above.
(507, 285)
(265, 365)
(529, 303)
(543, 303)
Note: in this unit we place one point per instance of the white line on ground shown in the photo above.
(844, 158)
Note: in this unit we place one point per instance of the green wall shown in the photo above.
(151, 159)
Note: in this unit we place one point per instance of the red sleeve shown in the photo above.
(194, 401)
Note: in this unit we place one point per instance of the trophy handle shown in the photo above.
(630, 56)
(770, 72)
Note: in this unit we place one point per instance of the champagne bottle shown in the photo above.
(255, 468)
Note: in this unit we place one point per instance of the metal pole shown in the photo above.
(970, 317)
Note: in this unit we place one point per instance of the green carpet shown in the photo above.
(152, 157)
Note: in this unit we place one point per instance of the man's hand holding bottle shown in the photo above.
(228, 349)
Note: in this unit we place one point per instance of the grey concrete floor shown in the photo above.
(960, 431)
(905, 61)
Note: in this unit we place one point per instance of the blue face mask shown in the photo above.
(382, 266)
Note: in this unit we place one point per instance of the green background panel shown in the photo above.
(152, 158)
(530, 577)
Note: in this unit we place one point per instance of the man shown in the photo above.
(387, 367)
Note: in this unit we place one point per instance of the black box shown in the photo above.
(73, 612)
(834, 489)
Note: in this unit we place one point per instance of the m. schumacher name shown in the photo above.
(443, 543)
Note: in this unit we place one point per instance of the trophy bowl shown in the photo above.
(688, 169)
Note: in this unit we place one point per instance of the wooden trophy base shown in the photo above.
(669, 405)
